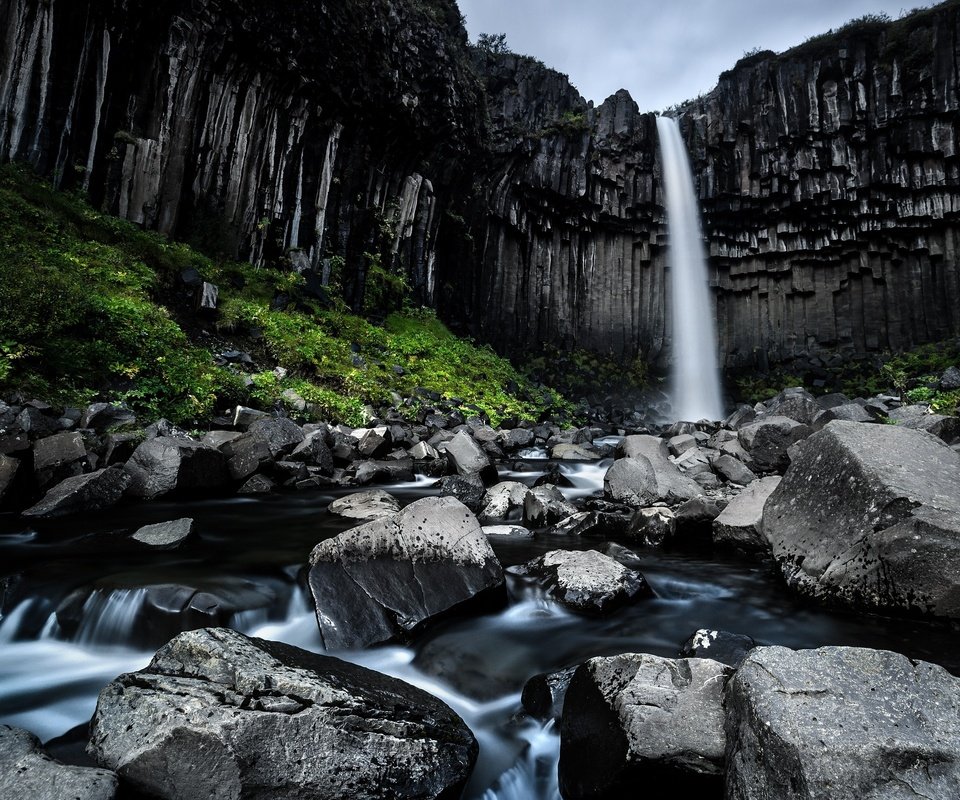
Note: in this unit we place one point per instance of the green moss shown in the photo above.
(88, 308)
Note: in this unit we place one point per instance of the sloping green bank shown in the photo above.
(93, 307)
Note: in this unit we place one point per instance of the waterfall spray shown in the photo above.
(695, 379)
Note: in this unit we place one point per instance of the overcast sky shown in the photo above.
(662, 51)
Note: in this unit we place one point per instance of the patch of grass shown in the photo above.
(92, 307)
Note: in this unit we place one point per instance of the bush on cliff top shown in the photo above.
(92, 307)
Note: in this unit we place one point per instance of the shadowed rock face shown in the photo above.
(827, 176)
(218, 715)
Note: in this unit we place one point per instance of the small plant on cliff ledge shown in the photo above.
(495, 43)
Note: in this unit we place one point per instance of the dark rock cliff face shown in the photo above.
(259, 128)
(831, 192)
(304, 130)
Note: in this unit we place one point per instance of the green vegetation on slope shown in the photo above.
(93, 307)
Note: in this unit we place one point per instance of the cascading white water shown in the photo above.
(695, 379)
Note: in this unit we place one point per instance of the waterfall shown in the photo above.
(695, 379)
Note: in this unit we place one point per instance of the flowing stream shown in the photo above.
(253, 549)
(695, 378)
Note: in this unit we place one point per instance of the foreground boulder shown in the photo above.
(219, 715)
(377, 582)
(841, 722)
(645, 474)
(641, 720)
(27, 772)
(869, 515)
(82, 494)
(585, 580)
(170, 464)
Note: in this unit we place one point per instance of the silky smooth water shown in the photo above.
(695, 390)
(49, 680)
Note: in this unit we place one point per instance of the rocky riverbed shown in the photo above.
(428, 606)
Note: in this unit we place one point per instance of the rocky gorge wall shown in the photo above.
(299, 129)
(371, 131)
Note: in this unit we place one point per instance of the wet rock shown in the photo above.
(83, 494)
(165, 535)
(371, 504)
(27, 772)
(516, 438)
(723, 646)
(740, 524)
(637, 719)
(378, 582)
(104, 416)
(681, 444)
(652, 526)
(120, 447)
(385, 472)
(593, 524)
(313, 450)
(890, 498)
(796, 404)
(733, 470)
(375, 442)
(743, 415)
(9, 468)
(467, 458)
(257, 484)
(216, 714)
(841, 722)
(852, 412)
(279, 435)
(555, 477)
(585, 580)
(468, 489)
(546, 505)
(574, 452)
(164, 427)
(944, 427)
(645, 474)
(622, 555)
(422, 451)
(168, 465)
(244, 417)
(517, 531)
(503, 502)
(768, 439)
(57, 457)
(543, 694)
(694, 519)
(950, 380)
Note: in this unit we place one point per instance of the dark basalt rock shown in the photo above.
(104, 416)
(468, 489)
(543, 694)
(890, 498)
(168, 465)
(468, 458)
(165, 535)
(83, 494)
(379, 581)
(219, 715)
(27, 772)
(841, 722)
(768, 440)
(58, 457)
(723, 646)
(585, 581)
(637, 719)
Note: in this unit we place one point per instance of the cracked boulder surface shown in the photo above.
(841, 722)
(638, 719)
(869, 516)
(377, 582)
(219, 715)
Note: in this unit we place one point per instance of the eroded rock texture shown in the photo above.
(828, 175)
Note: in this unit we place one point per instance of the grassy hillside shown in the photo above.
(92, 307)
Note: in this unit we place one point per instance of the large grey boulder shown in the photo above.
(219, 715)
(586, 580)
(740, 524)
(641, 481)
(168, 465)
(468, 458)
(370, 504)
(641, 720)
(82, 494)
(58, 457)
(768, 439)
(841, 722)
(869, 515)
(28, 773)
(379, 581)
(504, 502)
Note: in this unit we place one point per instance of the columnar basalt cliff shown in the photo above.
(830, 185)
(306, 130)
(265, 129)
